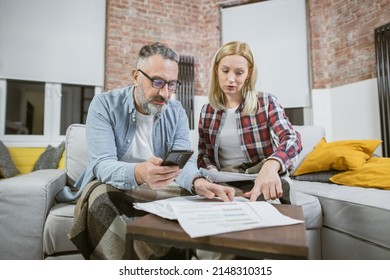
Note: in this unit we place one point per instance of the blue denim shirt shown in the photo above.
(110, 130)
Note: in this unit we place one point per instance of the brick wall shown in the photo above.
(191, 27)
(342, 39)
(342, 36)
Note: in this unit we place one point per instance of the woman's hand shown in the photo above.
(267, 182)
(211, 190)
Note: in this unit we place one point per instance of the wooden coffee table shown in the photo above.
(282, 242)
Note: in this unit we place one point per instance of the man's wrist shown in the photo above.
(193, 182)
(207, 178)
(137, 177)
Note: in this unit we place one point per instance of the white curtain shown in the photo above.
(277, 34)
(59, 41)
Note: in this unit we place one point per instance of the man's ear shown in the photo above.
(135, 75)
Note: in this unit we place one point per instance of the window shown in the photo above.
(74, 104)
(24, 108)
(38, 113)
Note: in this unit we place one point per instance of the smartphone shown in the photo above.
(177, 157)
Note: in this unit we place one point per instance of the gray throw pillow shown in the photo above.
(50, 158)
(322, 176)
(7, 165)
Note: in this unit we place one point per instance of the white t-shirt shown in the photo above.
(141, 148)
(229, 150)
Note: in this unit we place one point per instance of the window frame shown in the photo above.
(52, 118)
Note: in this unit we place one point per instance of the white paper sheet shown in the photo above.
(199, 216)
(221, 176)
(163, 207)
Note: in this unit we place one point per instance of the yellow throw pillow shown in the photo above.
(374, 174)
(338, 155)
(25, 157)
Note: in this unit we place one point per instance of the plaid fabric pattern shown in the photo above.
(101, 215)
(265, 134)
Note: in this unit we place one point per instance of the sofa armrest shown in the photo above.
(25, 201)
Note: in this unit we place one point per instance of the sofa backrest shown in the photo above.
(76, 152)
(310, 136)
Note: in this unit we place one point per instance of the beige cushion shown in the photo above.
(76, 152)
(57, 226)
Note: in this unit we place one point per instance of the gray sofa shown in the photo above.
(342, 222)
(355, 220)
(33, 225)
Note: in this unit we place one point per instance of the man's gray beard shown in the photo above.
(149, 108)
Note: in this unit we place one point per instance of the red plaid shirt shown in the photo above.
(266, 134)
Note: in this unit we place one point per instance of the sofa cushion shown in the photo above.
(7, 166)
(25, 157)
(338, 155)
(50, 158)
(25, 201)
(76, 152)
(374, 174)
(360, 212)
(323, 176)
(310, 136)
(57, 226)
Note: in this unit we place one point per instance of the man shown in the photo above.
(129, 131)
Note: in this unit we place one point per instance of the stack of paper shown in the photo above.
(199, 216)
(221, 176)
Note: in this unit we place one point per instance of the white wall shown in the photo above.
(349, 111)
(199, 101)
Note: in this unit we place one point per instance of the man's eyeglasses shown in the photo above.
(159, 83)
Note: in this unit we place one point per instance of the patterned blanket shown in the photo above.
(101, 215)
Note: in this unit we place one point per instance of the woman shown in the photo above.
(243, 127)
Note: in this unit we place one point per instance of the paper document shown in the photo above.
(199, 216)
(163, 207)
(221, 176)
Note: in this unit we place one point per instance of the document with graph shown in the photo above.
(202, 217)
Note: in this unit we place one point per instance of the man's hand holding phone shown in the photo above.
(159, 173)
(177, 157)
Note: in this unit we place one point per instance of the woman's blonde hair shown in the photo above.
(249, 94)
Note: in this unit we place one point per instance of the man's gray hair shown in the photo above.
(157, 48)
